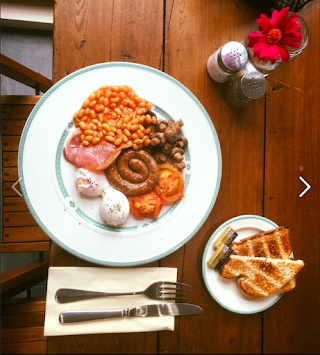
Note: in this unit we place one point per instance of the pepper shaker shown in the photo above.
(248, 87)
(226, 61)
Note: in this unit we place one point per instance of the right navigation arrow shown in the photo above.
(306, 189)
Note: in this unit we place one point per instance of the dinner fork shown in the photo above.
(162, 291)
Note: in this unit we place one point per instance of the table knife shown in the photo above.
(155, 310)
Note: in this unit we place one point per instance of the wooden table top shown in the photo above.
(265, 148)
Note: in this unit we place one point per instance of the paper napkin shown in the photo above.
(106, 280)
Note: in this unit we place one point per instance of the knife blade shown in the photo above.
(154, 310)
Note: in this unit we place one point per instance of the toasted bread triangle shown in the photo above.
(260, 277)
(274, 243)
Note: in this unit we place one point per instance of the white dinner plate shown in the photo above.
(73, 221)
(226, 291)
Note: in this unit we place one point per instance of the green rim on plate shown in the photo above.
(216, 232)
(24, 189)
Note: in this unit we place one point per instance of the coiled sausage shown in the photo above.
(134, 172)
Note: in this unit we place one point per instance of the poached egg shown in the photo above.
(89, 183)
(115, 207)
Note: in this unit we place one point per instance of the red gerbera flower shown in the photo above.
(276, 33)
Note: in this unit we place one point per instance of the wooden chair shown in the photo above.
(22, 322)
(22, 327)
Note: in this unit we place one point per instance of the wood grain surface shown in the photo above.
(265, 148)
(22, 327)
(293, 150)
(191, 29)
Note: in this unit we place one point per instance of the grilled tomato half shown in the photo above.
(145, 205)
(170, 185)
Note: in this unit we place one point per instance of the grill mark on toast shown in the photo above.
(251, 289)
(265, 245)
(243, 249)
(281, 239)
(268, 273)
(286, 244)
(273, 248)
(259, 250)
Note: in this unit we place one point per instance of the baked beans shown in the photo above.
(115, 114)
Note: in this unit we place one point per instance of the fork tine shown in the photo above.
(175, 296)
(178, 292)
(174, 290)
(175, 299)
(175, 283)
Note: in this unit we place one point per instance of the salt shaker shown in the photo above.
(248, 87)
(226, 61)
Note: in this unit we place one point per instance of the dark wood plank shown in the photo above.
(10, 143)
(9, 159)
(15, 112)
(7, 190)
(18, 306)
(24, 247)
(59, 257)
(35, 319)
(77, 43)
(17, 219)
(34, 347)
(10, 174)
(23, 234)
(24, 75)
(293, 150)
(14, 204)
(12, 127)
(19, 335)
(20, 99)
(124, 34)
(133, 343)
(194, 30)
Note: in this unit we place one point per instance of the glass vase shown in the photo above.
(266, 67)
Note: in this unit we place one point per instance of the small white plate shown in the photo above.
(226, 292)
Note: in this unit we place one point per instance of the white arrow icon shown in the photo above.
(14, 187)
(306, 189)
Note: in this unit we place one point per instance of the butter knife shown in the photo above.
(155, 310)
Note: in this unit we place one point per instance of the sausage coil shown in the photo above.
(133, 173)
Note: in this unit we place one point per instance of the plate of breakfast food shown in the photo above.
(248, 264)
(119, 164)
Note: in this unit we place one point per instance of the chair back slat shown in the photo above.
(24, 75)
(20, 232)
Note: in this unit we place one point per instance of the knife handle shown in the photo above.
(70, 317)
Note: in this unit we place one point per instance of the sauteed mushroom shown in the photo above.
(165, 136)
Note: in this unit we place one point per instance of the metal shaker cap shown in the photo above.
(253, 85)
(233, 56)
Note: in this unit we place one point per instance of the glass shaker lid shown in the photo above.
(234, 56)
(253, 85)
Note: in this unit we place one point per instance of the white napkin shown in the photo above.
(107, 280)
